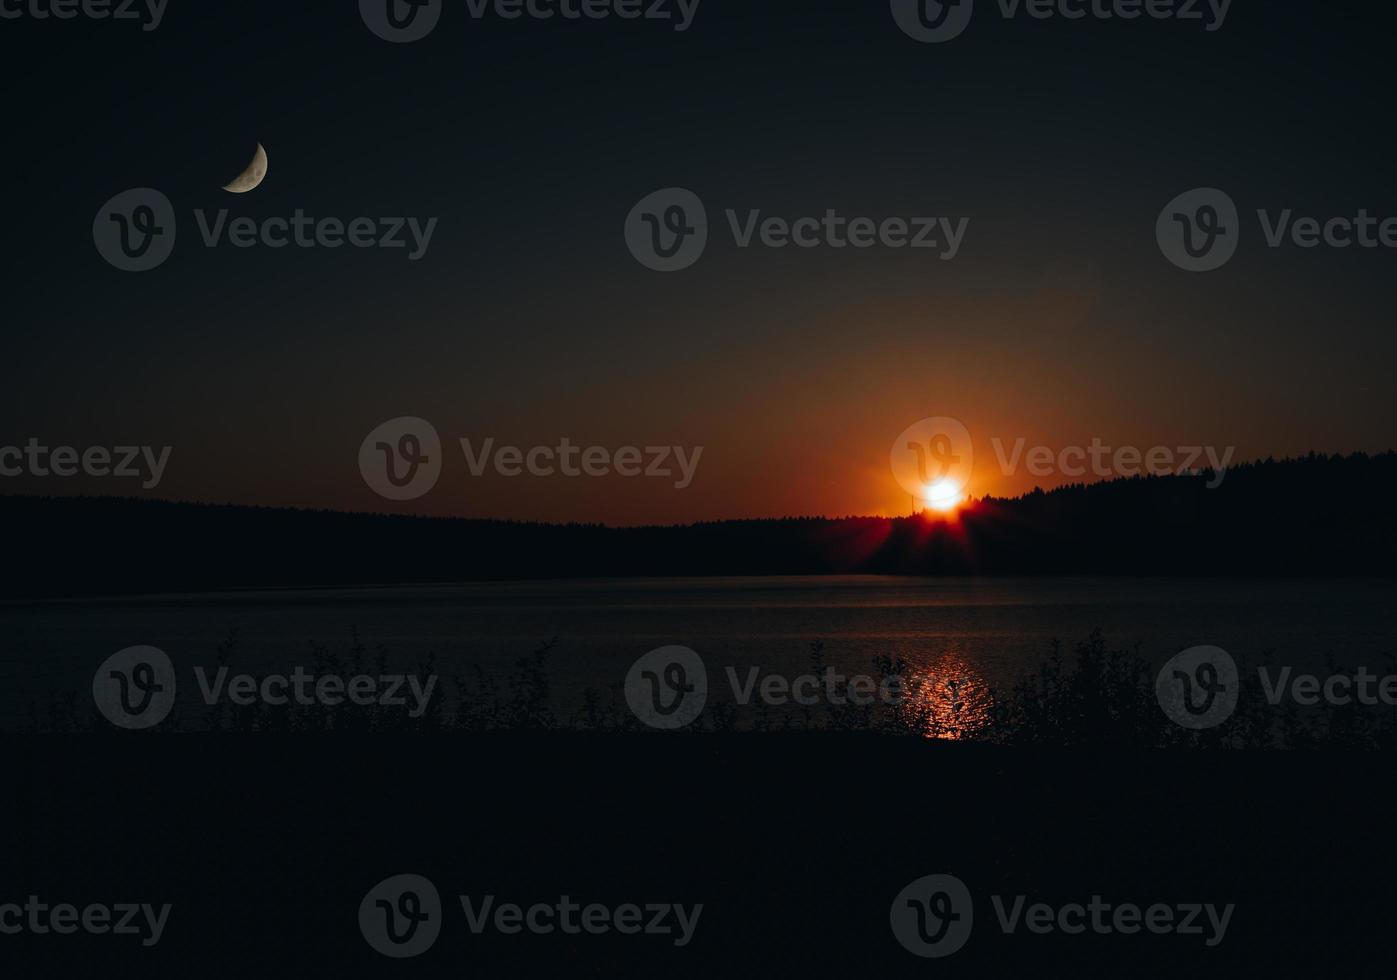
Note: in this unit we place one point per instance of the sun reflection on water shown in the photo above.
(947, 699)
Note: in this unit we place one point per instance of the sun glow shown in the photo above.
(943, 495)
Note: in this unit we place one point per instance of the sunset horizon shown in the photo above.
(945, 508)
(698, 488)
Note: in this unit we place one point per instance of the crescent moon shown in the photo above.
(254, 174)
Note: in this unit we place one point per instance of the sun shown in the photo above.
(943, 495)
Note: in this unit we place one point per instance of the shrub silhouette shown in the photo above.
(1095, 698)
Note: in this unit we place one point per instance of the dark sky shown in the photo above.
(527, 320)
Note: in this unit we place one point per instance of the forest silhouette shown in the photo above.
(1322, 516)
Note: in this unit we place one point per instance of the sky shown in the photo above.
(1054, 144)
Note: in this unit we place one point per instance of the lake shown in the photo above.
(981, 633)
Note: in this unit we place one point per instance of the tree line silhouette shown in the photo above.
(1320, 515)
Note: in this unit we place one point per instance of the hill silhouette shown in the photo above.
(1319, 516)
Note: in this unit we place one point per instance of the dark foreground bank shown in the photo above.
(796, 846)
